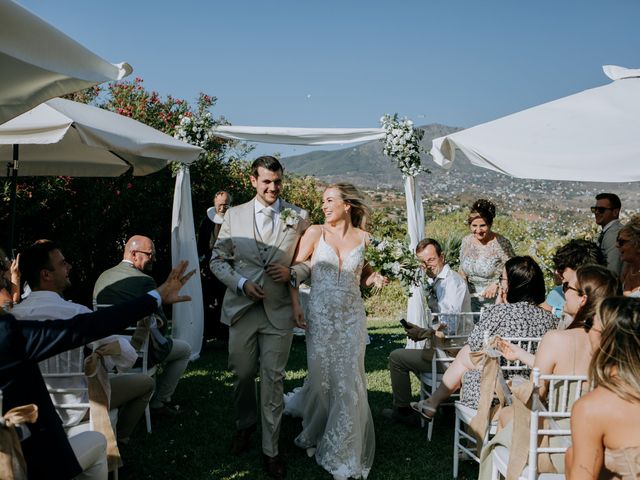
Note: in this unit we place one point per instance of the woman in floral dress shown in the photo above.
(482, 255)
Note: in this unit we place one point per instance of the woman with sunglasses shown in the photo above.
(628, 243)
(568, 352)
(605, 423)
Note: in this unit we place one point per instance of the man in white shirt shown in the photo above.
(606, 212)
(447, 293)
(45, 269)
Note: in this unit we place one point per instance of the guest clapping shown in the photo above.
(482, 255)
(9, 279)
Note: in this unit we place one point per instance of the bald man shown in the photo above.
(127, 280)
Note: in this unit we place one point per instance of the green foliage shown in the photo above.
(305, 192)
(91, 218)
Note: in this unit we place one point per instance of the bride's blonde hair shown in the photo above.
(352, 196)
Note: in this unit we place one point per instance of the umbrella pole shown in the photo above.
(14, 185)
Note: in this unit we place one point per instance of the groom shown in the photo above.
(252, 257)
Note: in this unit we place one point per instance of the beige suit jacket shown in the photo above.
(238, 253)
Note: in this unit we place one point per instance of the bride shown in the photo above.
(337, 426)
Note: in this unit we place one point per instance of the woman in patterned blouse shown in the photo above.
(521, 291)
(482, 255)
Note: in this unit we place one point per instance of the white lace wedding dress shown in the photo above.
(336, 419)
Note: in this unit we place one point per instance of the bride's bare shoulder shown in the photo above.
(313, 232)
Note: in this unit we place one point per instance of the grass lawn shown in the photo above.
(195, 444)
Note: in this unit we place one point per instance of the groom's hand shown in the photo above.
(253, 291)
(278, 273)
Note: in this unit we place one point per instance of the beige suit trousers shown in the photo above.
(253, 342)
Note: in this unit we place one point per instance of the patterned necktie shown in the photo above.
(600, 238)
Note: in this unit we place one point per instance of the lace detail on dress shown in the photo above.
(483, 264)
(333, 401)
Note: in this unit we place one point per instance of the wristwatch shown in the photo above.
(293, 278)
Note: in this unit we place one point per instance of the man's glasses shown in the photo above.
(621, 241)
(600, 209)
(148, 254)
(566, 287)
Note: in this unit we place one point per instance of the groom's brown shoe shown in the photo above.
(274, 467)
(241, 440)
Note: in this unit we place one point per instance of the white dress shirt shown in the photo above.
(452, 296)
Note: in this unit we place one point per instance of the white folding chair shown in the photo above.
(67, 385)
(459, 326)
(462, 441)
(563, 391)
(143, 355)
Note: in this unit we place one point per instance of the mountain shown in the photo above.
(367, 167)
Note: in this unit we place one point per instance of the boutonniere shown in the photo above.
(289, 217)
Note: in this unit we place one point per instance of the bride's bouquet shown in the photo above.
(396, 261)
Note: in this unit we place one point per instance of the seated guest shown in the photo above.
(9, 279)
(566, 260)
(628, 243)
(47, 451)
(561, 352)
(447, 293)
(522, 287)
(127, 280)
(45, 269)
(605, 423)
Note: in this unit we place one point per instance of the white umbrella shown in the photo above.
(39, 62)
(593, 135)
(61, 137)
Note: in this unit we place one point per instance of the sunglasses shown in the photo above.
(566, 287)
(600, 209)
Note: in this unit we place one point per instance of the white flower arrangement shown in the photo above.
(395, 260)
(195, 130)
(402, 143)
(289, 217)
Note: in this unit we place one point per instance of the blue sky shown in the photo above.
(344, 63)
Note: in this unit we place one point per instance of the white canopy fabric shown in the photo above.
(39, 62)
(329, 136)
(593, 136)
(298, 136)
(61, 137)
(188, 317)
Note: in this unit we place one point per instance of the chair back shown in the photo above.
(64, 376)
(551, 421)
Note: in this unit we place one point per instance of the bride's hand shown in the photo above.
(298, 317)
(378, 280)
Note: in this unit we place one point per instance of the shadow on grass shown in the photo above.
(194, 445)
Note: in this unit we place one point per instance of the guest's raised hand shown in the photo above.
(278, 273)
(253, 291)
(508, 350)
(170, 289)
(15, 270)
